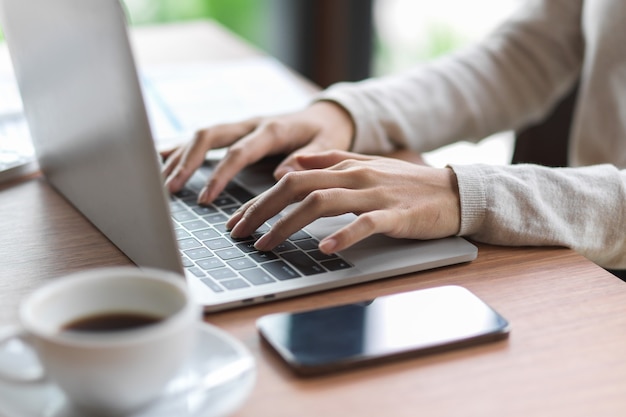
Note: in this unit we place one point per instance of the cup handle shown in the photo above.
(16, 333)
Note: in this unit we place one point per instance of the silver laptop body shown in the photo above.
(87, 118)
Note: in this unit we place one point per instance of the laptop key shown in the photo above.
(299, 235)
(181, 234)
(176, 206)
(210, 263)
(284, 247)
(195, 225)
(230, 210)
(188, 243)
(247, 247)
(234, 284)
(186, 262)
(223, 201)
(219, 243)
(260, 257)
(220, 227)
(231, 253)
(204, 210)
(191, 202)
(212, 285)
(280, 270)
(319, 256)
(222, 273)
(241, 263)
(196, 271)
(185, 194)
(196, 182)
(303, 263)
(307, 244)
(206, 234)
(237, 239)
(257, 276)
(264, 228)
(216, 218)
(336, 264)
(198, 253)
(274, 219)
(237, 191)
(184, 216)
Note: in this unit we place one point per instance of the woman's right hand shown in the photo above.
(320, 127)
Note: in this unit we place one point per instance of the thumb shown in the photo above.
(328, 159)
(292, 163)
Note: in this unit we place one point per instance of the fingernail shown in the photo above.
(282, 171)
(171, 184)
(261, 244)
(233, 219)
(203, 197)
(235, 232)
(328, 246)
(168, 184)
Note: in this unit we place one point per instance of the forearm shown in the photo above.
(580, 208)
(511, 78)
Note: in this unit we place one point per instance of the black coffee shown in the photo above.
(111, 322)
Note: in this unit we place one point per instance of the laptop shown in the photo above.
(93, 140)
(16, 153)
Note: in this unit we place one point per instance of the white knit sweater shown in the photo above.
(511, 79)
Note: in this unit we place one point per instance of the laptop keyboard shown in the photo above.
(227, 264)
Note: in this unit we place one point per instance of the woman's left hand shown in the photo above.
(389, 196)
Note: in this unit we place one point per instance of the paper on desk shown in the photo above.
(10, 101)
(183, 98)
(17, 156)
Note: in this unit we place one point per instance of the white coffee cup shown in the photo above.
(108, 372)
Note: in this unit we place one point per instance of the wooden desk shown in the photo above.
(564, 357)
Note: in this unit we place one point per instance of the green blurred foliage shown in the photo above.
(441, 39)
(244, 17)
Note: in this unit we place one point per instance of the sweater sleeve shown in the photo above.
(580, 208)
(508, 80)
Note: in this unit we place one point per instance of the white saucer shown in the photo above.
(215, 381)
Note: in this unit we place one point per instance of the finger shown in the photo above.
(292, 162)
(365, 225)
(165, 153)
(173, 181)
(328, 159)
(185, 160)
(310, 157)
(171, 159)
(321, 203)
(268, 138)
(237, 215)
(292, 188)
(179, 168)
(228, 133)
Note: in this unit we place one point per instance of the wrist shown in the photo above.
(455, 200)
(338, 123)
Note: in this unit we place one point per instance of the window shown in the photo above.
(411, 31)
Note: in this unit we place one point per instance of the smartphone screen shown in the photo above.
(392, 326)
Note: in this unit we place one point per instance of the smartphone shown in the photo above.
(389, 327)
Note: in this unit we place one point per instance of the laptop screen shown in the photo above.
(88, 122)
